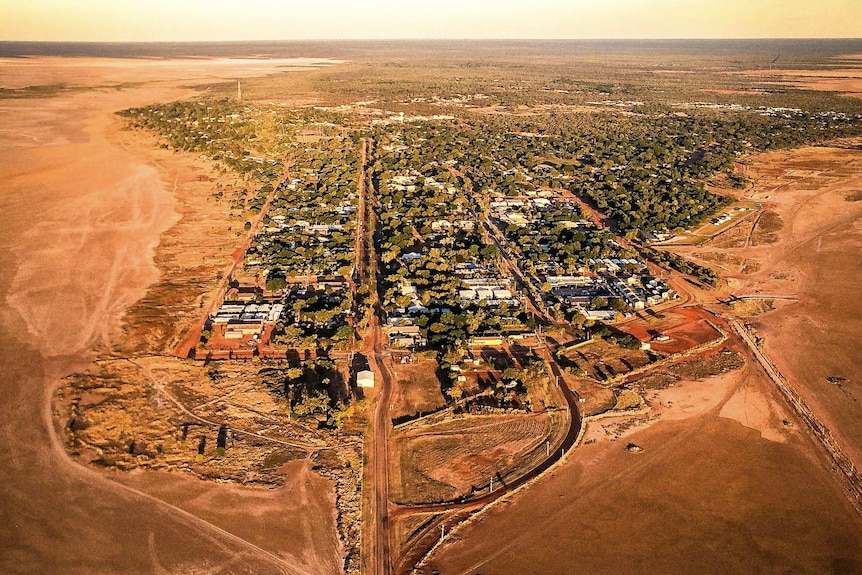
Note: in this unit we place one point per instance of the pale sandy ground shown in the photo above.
(820, 246)
(296, 517)
(816, 261)
(734, 400)
(81, 218)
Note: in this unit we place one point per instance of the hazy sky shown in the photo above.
(118, 20)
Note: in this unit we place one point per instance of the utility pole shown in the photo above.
(238, 91)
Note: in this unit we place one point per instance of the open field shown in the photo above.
(843, 80)
(161, 413)
(295, 521)
(417, 390)
(719, 224)
(452, 459)
(82, 219)
(755, 500)
(813, 258)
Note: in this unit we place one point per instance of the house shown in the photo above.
(600, 314)
(401, 341)
(561, 281)
(365, 379)
(439, 225)
(467, 294)
(405, 336)
(486, 341)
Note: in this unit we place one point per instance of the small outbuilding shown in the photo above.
(365, 379)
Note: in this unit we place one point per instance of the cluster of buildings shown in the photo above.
(492, 291)
(626, 279)
(249, 313)
(239, 319)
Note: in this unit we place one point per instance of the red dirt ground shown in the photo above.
(707, 494)
(687, 327)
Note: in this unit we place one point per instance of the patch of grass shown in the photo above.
(598, 402)
(766, 231)
(722, 362)
(41, 91)
(657, 381)
(627, 400)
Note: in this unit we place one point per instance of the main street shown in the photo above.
(376, 535)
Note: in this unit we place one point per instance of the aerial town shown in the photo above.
(420, 308)
(466, 270)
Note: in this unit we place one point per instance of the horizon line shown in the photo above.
(434, 39)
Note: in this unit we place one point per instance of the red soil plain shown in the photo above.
(82, 221)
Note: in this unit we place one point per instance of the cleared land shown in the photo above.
(847, 80)
(685, 329)
(456, 458)
(812, 256)
(417, 390)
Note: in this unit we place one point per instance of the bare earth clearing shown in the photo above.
(82, 218)
(452, 459)
(813, 258)
(418, 390)
(843, 80)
